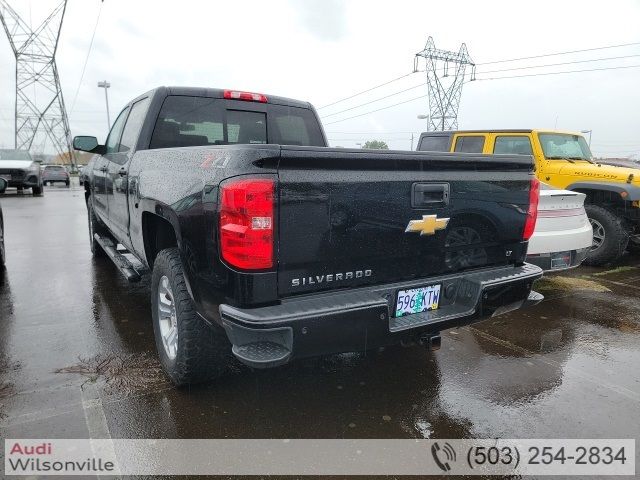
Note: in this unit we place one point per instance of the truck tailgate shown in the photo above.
(350, 218)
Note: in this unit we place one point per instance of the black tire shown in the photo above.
(37, 190)
(94, 227)
(67, 183)
(614, 241)
(203, 352)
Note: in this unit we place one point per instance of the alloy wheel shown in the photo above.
(167, 318)
(598, 234)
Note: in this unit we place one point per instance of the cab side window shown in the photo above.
(470, 144)
(133, 125)
(113, 140)
(516, 145)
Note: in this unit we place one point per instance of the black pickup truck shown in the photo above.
(265, 244)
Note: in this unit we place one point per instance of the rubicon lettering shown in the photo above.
(330, 277)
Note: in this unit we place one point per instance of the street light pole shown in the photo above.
(106, 85)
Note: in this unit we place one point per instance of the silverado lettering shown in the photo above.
(296, 282)
(225, 197)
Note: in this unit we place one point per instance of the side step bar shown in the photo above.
(120, 261)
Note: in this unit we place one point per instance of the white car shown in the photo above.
(563, 235)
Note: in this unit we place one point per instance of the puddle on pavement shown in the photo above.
(121, 374)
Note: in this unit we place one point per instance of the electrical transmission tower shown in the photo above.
(40, 116)
(444, 95)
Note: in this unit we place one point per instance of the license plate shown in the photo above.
(417, 300)
(561, 260)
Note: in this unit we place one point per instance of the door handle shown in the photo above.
(103, 169)
(122, 172)
(429, 195)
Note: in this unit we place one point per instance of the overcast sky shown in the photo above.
(324, 50)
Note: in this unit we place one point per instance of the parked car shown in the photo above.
(265, 244)
(564, 160)
(55, 173)
(563, 235)
(80, 177)
(3, 186)
(20, 170)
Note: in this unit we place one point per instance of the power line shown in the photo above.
(374, 101)
(559, 53)
(491, 63)
(86, 60)
(559, 64)
(377, 110)
(367, 90)
(491, 78)
(558, 73)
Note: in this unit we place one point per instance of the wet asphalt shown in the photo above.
(77, 359)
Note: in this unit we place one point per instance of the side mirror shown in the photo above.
(85, 144)
(3, 185)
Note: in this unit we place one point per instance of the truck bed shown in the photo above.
(343, 211)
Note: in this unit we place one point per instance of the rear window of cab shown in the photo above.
(187, 121)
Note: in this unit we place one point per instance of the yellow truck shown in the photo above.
(564, 160)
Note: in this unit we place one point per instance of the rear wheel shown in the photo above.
(37, 190)
(190, 351)
(67, 183)
(610, 238)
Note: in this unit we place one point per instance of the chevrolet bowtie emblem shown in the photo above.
(428, 225)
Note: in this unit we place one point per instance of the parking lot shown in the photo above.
(77, 359)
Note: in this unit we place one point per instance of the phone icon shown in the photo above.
(443, 456)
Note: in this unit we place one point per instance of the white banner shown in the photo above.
(319, 457)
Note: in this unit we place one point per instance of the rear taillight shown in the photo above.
(532, 213)
(247, 96)
(246, 223)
